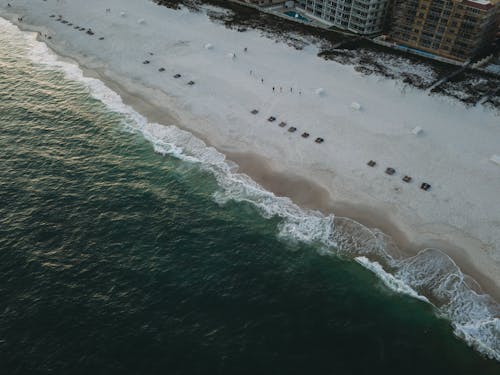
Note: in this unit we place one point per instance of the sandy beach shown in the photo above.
(235, 72)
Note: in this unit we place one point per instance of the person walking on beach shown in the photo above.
(262, 80)
(273, 88)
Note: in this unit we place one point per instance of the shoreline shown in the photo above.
(304, 189)
(304, 192)
(309, 195)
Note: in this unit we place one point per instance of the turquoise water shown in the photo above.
(117, 259)
(297, 16)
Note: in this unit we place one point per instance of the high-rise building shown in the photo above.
(456, 29)
(359, 16)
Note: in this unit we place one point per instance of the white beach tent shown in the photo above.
(495, 159)
(142, 21)
(320, 92)
(123, 14)
(209, 46)
(417, 130)
(355, 106)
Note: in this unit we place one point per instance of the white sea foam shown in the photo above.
(475, 316)
(430, 275)
(388, 279)
(298, 224)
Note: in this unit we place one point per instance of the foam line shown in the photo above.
(389, 280)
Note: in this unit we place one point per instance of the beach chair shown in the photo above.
(425, 186)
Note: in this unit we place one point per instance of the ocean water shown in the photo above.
(132, 248)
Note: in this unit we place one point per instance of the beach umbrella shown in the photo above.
(355, 106)
(495, 159)
(417, 130)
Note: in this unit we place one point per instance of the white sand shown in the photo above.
(452, 153)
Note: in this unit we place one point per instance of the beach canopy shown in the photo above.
(141, 21)
(209, 46)
(320, 91)
(123, 14)
(417, 130)
(355, 106)
(495, 159)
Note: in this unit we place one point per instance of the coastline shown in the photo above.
(309, 188)
(303, 191)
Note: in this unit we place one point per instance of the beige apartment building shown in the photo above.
(455, 29)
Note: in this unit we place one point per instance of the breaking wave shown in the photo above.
(430, 275)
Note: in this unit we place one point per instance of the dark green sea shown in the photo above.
(117, 256)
